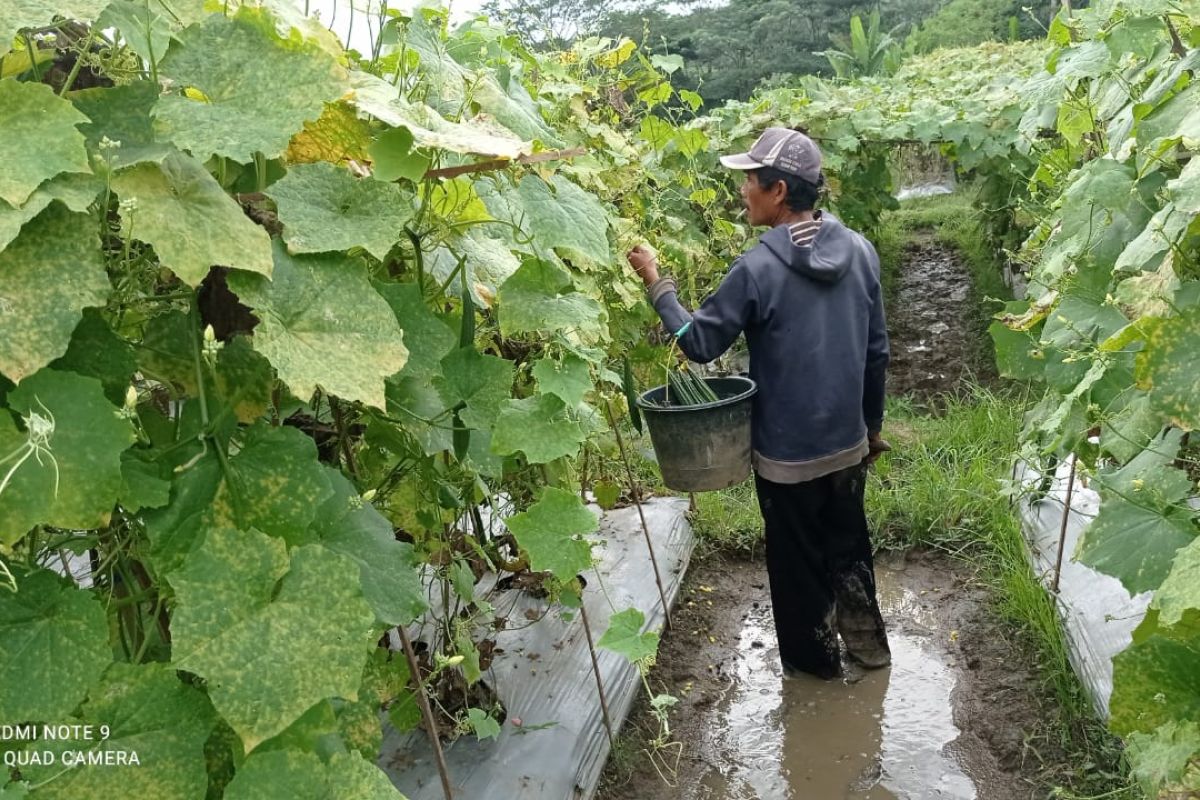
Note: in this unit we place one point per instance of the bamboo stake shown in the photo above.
(1062, 532)
(637, 500)
(502, 163)
(427, 712)
(587, 630)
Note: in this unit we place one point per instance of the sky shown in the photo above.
(339, 12)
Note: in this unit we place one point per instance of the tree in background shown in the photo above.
(550, 24)
(867, 51)
(962, 23)
(728, 50)
(731, 48)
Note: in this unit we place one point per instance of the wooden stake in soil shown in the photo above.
(426, 712)
(1062, 532)
(637, 500)
(587, 630)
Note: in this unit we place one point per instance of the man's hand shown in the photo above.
(644, 263)
(876, 446)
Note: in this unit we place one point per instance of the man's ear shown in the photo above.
(779, 192)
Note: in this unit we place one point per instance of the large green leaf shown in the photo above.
(1160, 759)
(539, 427)
(299, 775)
(274, 484)
(149, 712)
(625, 638)
(1170, 366)
(323, 325)
(1161, 232)
(323, 207)
(1179, 117)
(73, 479)
(415, 399)
(244, 380)
(144, 30)
(181, 210)
(18, 14)
(568, 377)
(240, 115)
(382, 100)
(243, 601)
(40, 139)
(346, 524)
(552, 531)
(428, 338)
(482, 382)
(1130, 430)
(1136, 543)
(1177, 601)
(97, 352)
(48, 275)
(563, 216)
(1185, 190)
(74, 190)
(174, 530)
(55, 647)
(539, 297)
(121, 132)
(487, 257)
(1155, 681)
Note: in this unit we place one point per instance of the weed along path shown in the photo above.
(958, 715)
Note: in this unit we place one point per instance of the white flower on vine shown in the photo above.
(41, 430)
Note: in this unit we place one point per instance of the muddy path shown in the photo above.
(932, 323)
(956, 715)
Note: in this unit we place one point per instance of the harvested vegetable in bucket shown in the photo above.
(686, 388)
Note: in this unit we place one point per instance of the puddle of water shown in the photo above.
(882, 738)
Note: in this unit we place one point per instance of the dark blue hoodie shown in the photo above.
(813, 318)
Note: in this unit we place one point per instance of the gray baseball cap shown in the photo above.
(784, 149)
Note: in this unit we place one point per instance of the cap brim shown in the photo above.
(740, 161)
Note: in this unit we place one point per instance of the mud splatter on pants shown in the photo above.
(821, 572)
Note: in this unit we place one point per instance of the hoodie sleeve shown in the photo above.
(877, 357)
(716, 324)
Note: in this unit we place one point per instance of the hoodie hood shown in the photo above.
(825, 260)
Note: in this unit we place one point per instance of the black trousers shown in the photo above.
(821, 572)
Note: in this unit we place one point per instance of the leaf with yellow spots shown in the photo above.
(242, 598)
(338, 136)
(323, 324)
(274, 484)
(1170, 368)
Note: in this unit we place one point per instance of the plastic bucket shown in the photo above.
(702, 448)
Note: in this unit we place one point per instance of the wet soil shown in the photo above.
(931, 324)
(955, 716)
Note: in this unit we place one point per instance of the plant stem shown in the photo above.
(587, 630)
(87, 43)
(427, 712)
(637, 501)
(1062, 533)
(37, 69)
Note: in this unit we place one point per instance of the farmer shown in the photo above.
(807, 297)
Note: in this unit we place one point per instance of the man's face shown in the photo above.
(762, 204)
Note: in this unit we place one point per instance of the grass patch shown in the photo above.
(729, 521)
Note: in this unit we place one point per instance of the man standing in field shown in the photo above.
(808, 298)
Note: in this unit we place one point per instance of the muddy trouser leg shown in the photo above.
(802, 594)
(852, 569)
